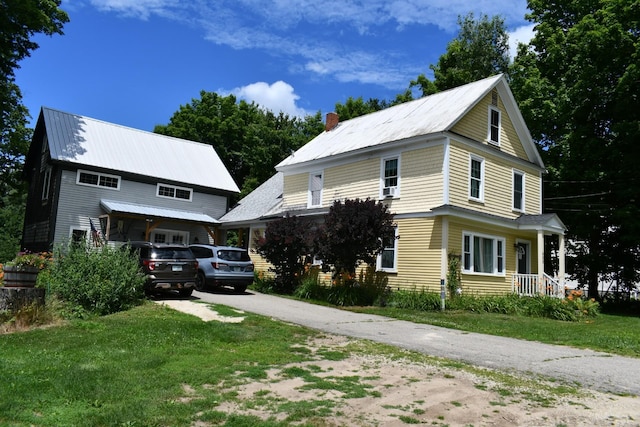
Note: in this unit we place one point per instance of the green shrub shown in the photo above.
(572, 308)
(368, 289)
(263, 283)
(310, 286)
(414, 300)
(96, 280)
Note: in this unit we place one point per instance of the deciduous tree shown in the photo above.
(578, 86)
(354, 232)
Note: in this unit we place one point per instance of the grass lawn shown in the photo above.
(153, 366)
(129, 368)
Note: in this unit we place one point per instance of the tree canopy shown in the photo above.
(577, 82)
(20, 20)
(249, 140)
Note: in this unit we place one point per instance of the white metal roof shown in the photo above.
(90, 142)
(428, 115)
(257, 203)
(113, 206)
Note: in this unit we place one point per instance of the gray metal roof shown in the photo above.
(425, 116)
(113, 206)
(95, 143)
(258, 203)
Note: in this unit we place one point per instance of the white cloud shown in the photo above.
(334, 38)
(277, 97)
(519, 35)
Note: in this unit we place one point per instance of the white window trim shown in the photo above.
(396, 191)
(85, 230)
(496, 239)
(489, 140)
(175, 187)
(309, 191)
(513, 190)
(169, 233)
(473, 157)
(395, 256)
(46, 184)
(99, 174)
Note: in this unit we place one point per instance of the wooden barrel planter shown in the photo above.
(19, 288)
(20, 277)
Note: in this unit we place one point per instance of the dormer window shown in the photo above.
(494, 126)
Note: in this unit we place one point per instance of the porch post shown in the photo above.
(561, 260)
(541, 262)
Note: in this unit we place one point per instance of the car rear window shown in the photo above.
(231, 255)
(172, 253)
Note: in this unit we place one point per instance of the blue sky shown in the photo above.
(134, 62)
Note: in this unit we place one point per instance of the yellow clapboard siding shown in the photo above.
(419, 255)
(295, 191)
(475, 125)
(498, 183)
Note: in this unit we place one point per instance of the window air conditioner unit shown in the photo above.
(389, 191)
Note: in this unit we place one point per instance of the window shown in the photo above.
(483, 254)
(494, 126)
(173, 192)
(388, 259)
(98, 180)
(518, 191)
(169, 236)
(476, 178)
(390, 176)
(315, 189)
(46, 183)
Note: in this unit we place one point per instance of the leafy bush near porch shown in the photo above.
(572, 308)
(95, 280)
(369, 288)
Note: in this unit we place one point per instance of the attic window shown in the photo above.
(174, 192)
(98, 180)
(494, 126)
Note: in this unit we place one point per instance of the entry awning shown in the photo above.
(115, 207)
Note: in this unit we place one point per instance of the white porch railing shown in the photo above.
(532, 285)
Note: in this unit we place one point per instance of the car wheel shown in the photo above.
(185, 292)
(240, 288)
(200, 281)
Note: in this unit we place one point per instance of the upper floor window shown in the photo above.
(173, 192)
(46, 183)
(483, 254)
(518, 191)
(98, 179)
(476, 178)
(315, 189)
(494, 126)
(390, 177)
(388, 259)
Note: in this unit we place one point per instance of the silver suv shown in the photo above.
(223, 266)
(167, 266)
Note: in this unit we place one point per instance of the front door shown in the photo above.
(523, 250)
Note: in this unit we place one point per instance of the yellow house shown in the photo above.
(461, 174)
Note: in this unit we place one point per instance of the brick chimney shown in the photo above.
(331, 122)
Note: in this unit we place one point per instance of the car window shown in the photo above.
(233, 255)
(172, 253)
(199, 252)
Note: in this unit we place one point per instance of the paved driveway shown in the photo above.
(600, 371)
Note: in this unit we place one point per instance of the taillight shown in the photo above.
(151, 265)
(220, 266)
(249, 268)
(195, 265)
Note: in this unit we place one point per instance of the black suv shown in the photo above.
(167, 266)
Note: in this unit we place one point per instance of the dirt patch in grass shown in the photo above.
(347, 385)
